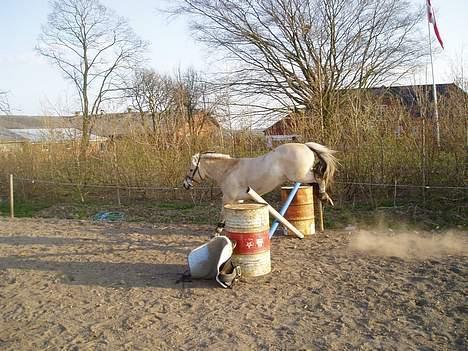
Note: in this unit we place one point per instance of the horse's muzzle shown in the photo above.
(187, 183)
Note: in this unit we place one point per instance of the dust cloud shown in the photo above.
(410, 244)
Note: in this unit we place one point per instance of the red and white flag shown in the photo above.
(431, 18)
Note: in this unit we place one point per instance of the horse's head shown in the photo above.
(193, 174)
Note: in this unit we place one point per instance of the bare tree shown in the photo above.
(4, 103)
(94, 49)
(300, 52)
(175, 104)
(151, 93)
(459, 77)
(194, 96)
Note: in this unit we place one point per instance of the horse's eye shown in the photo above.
(191, 169)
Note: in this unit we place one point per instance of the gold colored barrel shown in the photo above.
(301, 210)
(247, 226)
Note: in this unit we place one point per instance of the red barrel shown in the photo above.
(301, 211)
(247, 225)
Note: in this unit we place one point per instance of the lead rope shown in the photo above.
(229, 274)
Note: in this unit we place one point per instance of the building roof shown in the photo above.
(107, 124)
(121, 124)
(40, 135)
(25, 121)
(410, 96)
(8, 136)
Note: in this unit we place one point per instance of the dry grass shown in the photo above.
(375, 146)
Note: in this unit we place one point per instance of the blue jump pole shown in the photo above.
(283, 210)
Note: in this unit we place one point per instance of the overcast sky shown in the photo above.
(36, 87)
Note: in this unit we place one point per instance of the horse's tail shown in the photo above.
(325, 156)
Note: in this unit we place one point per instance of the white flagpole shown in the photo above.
(434, 89)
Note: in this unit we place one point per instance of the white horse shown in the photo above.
(294, 162)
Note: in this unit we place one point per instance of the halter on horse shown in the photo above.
(194, 169)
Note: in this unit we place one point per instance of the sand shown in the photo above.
(79, 285)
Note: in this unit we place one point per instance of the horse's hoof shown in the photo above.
(324, 197)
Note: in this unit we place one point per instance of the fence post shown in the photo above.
(320, 211)
(318, 207)
(119, 203)
(423, 155)
(12, 200)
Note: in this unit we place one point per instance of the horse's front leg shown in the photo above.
(222, 219)
(221, 222)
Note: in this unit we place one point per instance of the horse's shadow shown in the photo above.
(76, 271)
(106, 246)
(109, 274)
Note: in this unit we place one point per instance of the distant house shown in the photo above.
(9, 141)
(25, 121)
(16, 138)
(201, 124)
(281, 131)
(128, 124)
(15, 130)
(417, 100)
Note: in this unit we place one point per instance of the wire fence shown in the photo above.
(56, 192)
(396, 185)
(165, 204)
(162, 188)
(373, 194)
(102, 186)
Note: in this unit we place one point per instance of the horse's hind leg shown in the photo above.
(323, 195)
(311, 179)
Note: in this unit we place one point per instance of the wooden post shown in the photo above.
(115, 169)
(318, 207)
(12, 200)
(119, 203)
(423, 146)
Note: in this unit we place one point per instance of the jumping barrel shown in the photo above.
(300, 212)
(247, 226)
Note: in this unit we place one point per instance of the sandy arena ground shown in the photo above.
(78, 285)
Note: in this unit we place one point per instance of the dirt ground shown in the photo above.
(79, 285)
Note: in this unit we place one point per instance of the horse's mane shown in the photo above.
(214, 155)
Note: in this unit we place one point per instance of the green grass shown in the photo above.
(406, 216)
(175, 206)
(22, 208)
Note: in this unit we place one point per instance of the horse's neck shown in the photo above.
(217, 169)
